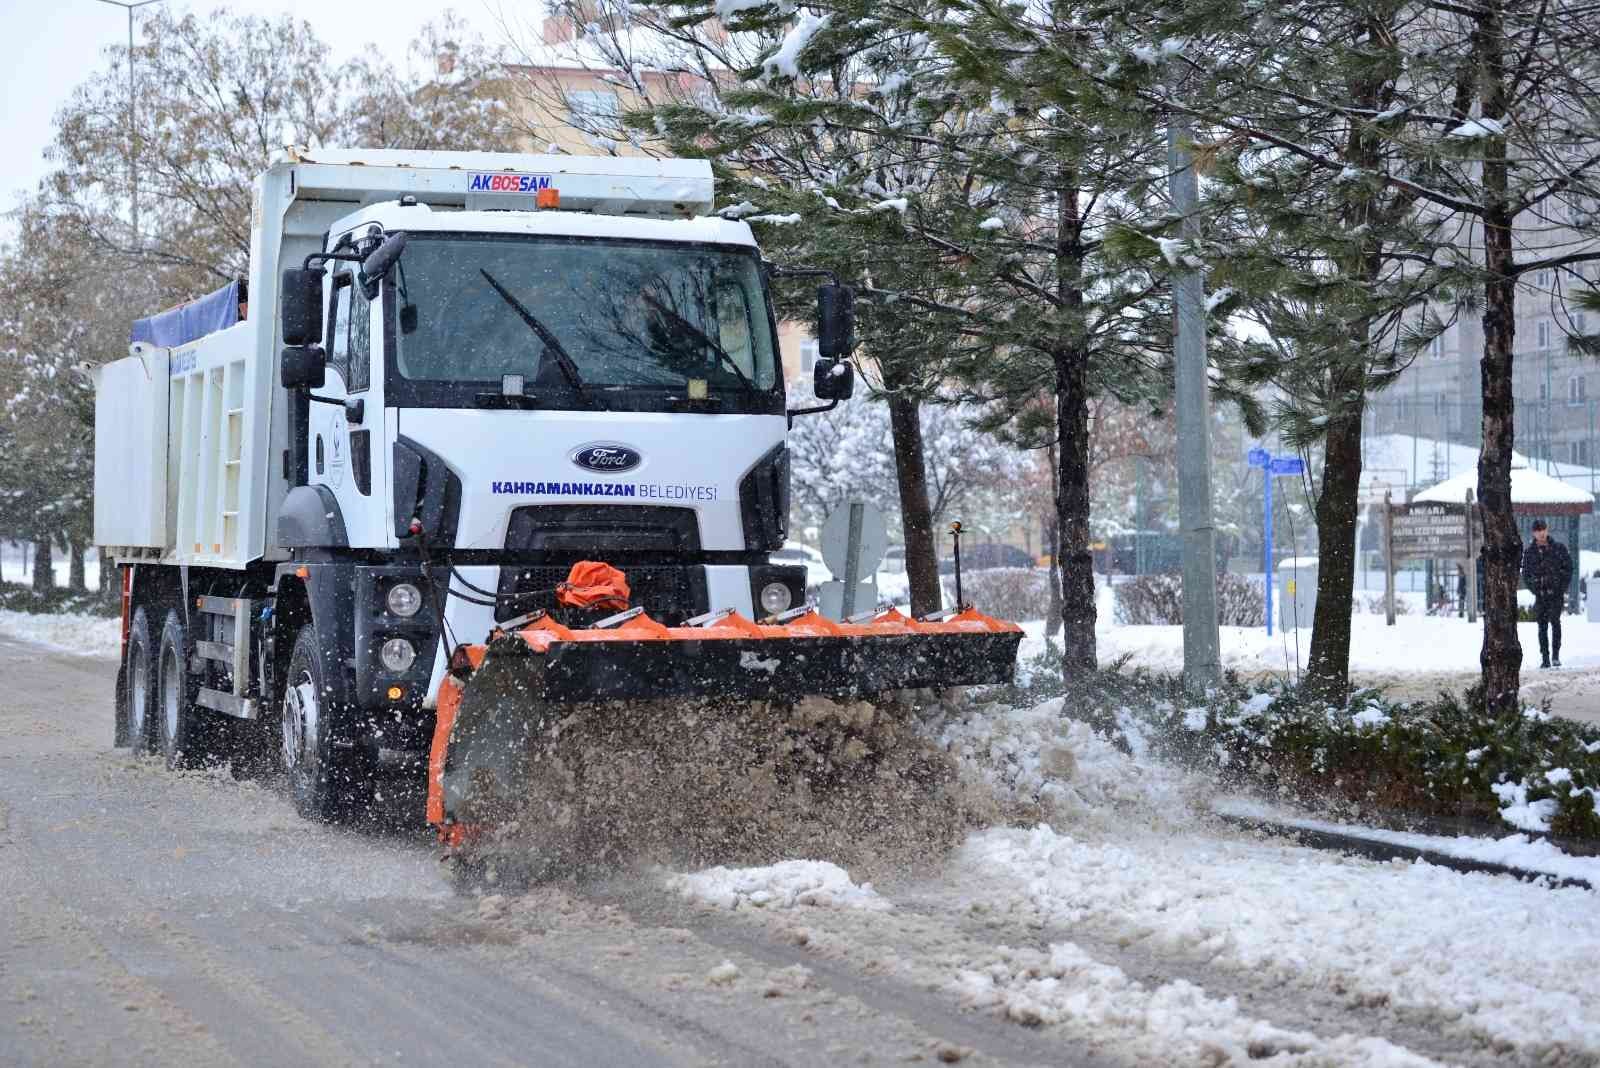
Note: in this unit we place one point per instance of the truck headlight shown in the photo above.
(404, 599)
(775, 598)
(397, 654)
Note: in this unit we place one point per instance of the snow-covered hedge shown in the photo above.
(17, 597)
(1445, 758)
(1442, 760)
(1158, 600)
(1008, 592)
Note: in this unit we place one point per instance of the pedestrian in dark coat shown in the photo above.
(1547, 570)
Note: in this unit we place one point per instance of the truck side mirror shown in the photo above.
(836, 322)
(303, 367)
(300, 305)
(833, 380)
(376, 266)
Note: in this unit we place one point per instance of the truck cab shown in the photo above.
(464, 373)
(524, 390)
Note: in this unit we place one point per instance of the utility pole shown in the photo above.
(1416, 419)
(133, 143)
(1202, 660)
(1549, 418)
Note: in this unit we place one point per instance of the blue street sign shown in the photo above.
(1271, 466)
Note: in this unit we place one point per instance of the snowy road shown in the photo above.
(163, 919)
(155, 918)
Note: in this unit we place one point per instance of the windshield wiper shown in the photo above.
(705, 339)
(563, 360)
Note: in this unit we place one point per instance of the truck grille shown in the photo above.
(669, 594)
(577, 531)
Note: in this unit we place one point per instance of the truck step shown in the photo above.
(227, 703)
(214, 651)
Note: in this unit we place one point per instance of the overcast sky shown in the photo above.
(52, 45)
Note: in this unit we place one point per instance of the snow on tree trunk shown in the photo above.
(75, 572)
(1501, 657)
(1071, 360)
(1072, 514)
(43, 577)
(916, 514)
(1328, 672)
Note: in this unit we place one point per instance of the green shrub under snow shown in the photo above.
(1444, 759)
(17, 597)
(1157, 600)
(1006, 592)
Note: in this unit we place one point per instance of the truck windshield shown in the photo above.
(628, 315)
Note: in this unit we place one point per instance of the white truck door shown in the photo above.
(347, 453)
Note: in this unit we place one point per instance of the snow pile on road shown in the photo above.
(1505, 961)
(1038, 764)
(1176, 1023)
(691, 784)
(65, 632)
(785, 885)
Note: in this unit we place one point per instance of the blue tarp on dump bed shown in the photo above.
(194, 320)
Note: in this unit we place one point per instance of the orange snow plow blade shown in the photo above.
(502, 697)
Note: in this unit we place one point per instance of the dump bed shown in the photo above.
(190, 440)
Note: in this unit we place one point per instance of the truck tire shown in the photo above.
(185, 731)
(327, 782)
(140, 683)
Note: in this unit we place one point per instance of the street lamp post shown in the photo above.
(1202, 659)
(133, 166)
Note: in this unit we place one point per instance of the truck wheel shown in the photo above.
(182, 728)
(140, 685)
(326, 782)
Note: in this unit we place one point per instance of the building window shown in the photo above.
(1544, 391)
(1580, 324)
(593, 104)
(1577, 389)
(1543, 279)
(1543, 332)
(1436, 348)
(1580, 453)
(808, 357)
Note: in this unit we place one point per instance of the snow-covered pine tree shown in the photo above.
(809, 161)
(1008, 164)
(59, 308)
(1331, 262)
(1461, 123)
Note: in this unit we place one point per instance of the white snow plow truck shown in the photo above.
(480, 439)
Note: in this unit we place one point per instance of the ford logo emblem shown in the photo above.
(606, 458)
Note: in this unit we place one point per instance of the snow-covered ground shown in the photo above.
(1415, 645)
(1104, 905)
(1128, 918)
(1513, 851)
(65, 631)
(16, 564)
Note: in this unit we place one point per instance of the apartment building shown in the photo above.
(1557, 389)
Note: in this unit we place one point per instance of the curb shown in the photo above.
(1373, 849)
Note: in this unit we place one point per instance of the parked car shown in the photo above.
(794, 552)
(986, 555)
(894, 561)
